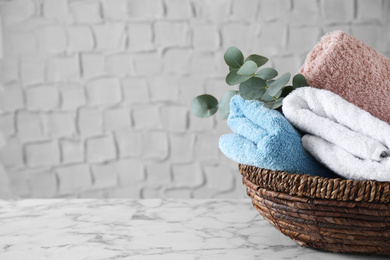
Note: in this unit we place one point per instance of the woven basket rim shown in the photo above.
(332, 225)
(316, 187)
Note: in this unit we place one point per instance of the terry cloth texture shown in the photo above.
(345, 138)
(348, 67)
(264, 138)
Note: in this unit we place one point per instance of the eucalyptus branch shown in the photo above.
(254, 84)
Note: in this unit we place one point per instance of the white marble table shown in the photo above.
(144, 229)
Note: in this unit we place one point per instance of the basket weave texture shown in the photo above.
(330, 214)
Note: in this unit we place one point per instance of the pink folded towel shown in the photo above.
(353, 70)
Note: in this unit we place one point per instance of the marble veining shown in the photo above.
(144, 229)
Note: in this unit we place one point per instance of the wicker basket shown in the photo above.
(330, 214)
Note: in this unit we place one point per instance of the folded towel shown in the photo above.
(264, 138)
(348, 67)
(345, 138)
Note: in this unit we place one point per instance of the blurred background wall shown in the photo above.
(96, 94)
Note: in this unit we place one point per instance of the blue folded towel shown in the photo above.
(264, 138)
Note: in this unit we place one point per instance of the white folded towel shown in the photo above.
(345, 138)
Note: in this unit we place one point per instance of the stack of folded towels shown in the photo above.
(342, 118)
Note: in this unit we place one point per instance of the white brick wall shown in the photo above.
(103, 91)
(51, 39)
(42, 98)
(110, 36)
(115, 118)
(80, 38)
(89, 122)
(63, 68)
(104, 175)
(140, 36)
(72, 96)
(42, 154)
(97, 92)
(32, 69)
(116, 11)
(129, 142)
(100, 149)
(86, 12)
(73, 178)
(29, 126)
(72, 151)
(60, 124)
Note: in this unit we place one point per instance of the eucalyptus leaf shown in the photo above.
(278, 84)
(299, 81)
(274, 104)
(233, 78)
(277, 95)
(269, 81)
(259, 60)
(253, 88)
(272, 98)
(204, 106)
(267, 73)
(234, 58)
(224, 103)
(267, 98)
(248, 68)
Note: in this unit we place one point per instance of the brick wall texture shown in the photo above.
(96, 93)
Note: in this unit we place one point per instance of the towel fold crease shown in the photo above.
(347, 139)
(264, 138)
